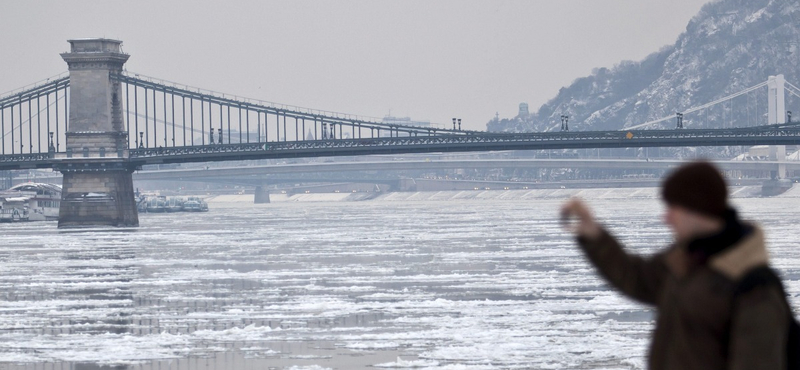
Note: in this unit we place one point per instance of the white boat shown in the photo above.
(30, 202)
(161, 203)
(13, 209)
(195, 204)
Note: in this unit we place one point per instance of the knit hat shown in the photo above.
(698, 187)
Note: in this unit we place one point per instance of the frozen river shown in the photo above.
(437, 285)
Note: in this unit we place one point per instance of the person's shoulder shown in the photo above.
(760, 289)
(746, 255)
(759, 277)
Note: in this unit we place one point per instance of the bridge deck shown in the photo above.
(785, 134)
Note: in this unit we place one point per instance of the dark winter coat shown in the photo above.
(700, 323)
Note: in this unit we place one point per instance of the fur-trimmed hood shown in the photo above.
(732, 262)
(743, 256)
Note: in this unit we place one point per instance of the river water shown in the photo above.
(342, 285)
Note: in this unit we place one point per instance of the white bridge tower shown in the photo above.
(777, 114)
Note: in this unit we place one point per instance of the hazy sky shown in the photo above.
(428, 59)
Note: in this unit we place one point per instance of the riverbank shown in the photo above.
(488, 195)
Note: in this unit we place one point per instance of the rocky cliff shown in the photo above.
(729, 46)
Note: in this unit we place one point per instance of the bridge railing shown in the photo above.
(474, 141)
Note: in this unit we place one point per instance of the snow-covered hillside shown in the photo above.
(730, 45)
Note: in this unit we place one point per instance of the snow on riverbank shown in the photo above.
(488, 195)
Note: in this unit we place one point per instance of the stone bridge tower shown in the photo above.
(97, 186)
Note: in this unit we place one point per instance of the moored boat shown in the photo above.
(13, 209)
(30, 202)
(195, 204)
(174, 204)
(157, 204)
(161, 204)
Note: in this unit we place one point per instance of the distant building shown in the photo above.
(523, 110)
(405, 121)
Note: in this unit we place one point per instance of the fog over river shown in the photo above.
(460, 284)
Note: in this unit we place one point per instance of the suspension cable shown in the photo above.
(35, 85)
(701, 107)
(26, 120)
(794, 90)
(169, 85)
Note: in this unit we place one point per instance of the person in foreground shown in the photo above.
(706, 317)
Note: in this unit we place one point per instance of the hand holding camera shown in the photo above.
(577, 218)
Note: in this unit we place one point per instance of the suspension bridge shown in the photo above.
(98, 123)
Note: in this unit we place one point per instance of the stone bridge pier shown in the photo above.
(261, 195)
(97, 185)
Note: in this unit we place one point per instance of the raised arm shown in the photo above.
(637, 277)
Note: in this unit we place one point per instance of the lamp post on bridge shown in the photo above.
(454, 124)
